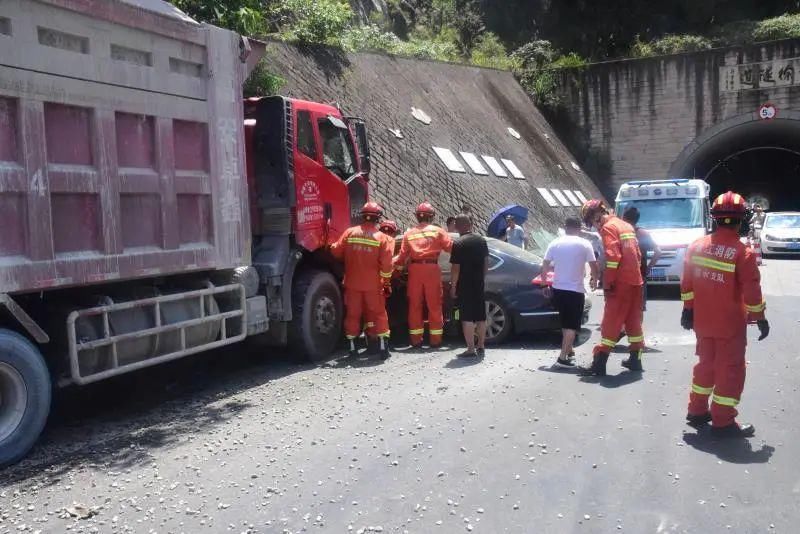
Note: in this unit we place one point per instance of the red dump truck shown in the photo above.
(147, 212)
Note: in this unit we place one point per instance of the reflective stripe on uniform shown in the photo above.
(364, 241)
(700, 390)
(422, 235)
(725, 401)
(635, 339)
(714, 264)
(627, 236)
(388, 333)
(386, 275)
(612, 264)
(436, 332)
(608, 342)
(757, 308)
(417, 331)
(687, 296)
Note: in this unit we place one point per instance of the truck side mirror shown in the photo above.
(362, 144)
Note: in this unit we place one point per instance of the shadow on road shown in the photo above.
(734, 451)
(614, 381)
(115, 424)
(458, 363)
(363, 360)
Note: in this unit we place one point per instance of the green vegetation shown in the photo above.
(783, 27)
(535, 39)
(670, 44)
(262, 82)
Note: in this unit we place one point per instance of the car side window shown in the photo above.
(494, 261)
(337, 151)
(305, 135)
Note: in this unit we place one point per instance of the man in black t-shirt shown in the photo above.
(470, 261)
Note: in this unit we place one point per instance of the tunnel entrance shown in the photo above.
(759, 159)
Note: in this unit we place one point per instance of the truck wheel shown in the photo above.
(25, 391)
(316, 326)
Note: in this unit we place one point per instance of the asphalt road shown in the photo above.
(240, 442)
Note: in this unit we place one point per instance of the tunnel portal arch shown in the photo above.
(758, 158)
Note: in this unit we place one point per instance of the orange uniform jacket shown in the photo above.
(423, 242)
(367, 255)
(721, 282)
(623, 257)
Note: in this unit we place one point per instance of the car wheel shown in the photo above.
(498, 321)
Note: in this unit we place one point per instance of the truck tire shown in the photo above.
(25, 393)
(316, 326)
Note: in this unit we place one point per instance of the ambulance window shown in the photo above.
(337, 150)
(305, 135)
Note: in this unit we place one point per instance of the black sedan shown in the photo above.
(513, 303)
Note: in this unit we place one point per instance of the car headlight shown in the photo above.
(770, 237)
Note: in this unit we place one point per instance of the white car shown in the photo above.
(781, 233)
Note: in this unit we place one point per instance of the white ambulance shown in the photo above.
(675, 212)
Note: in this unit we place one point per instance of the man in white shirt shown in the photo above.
(567, 256)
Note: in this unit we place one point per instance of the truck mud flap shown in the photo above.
(173, 323)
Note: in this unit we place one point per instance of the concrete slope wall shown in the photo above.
(470, 109)
(645, 118)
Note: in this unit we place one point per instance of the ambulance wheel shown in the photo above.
(25, 392)
(316, 326)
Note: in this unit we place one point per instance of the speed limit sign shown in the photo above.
(767, 112)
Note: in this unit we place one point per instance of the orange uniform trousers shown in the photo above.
(365, 308)
(719, 374)
(425, 290)
(623, 308)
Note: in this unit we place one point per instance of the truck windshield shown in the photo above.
(337, 149)
(667, 212)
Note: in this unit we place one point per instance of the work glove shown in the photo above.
(687, 319)
(387, 290)
(763, 327)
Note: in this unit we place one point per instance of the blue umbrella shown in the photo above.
(497, 224)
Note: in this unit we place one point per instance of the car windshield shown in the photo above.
(667, 212)
(783, 221)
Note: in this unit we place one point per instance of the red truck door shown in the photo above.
(327, 178)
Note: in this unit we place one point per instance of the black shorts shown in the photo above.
(569, 305)
(472, 306)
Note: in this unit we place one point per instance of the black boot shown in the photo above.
(698, 421)
(634, 362)
(353, 349)
(734, 430)
(598, 367)
(384, 353)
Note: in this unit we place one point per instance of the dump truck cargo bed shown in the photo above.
(121, 144)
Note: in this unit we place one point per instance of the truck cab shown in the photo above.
(307, 173)
(675, 212)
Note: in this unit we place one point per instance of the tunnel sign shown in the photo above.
(767, 112)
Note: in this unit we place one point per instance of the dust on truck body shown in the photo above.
(129, 175)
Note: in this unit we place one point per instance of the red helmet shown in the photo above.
(372, 208)
(590, 208)
(425, 209)
(389, 228)
(728, 205)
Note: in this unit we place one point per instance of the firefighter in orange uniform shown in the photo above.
(622, 288)
(367, 255)
(721, 294)
(420, 248)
